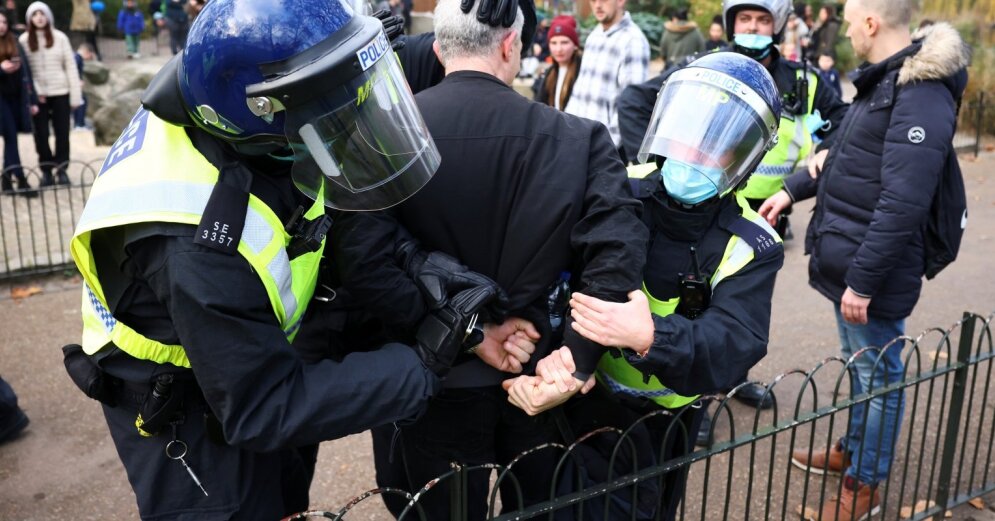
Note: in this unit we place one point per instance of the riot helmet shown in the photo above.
(756, 46)
(712, 124)
(318, 81)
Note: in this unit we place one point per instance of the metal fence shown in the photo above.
(35, 228)
(943, 455)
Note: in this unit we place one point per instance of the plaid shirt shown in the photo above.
(613, 59)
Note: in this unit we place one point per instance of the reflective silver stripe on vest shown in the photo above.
(795, 146)
(106, 317)
(279, 267)
(781, 170)
(624, 389)
(741, 251)
(189, 198)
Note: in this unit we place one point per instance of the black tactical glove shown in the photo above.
(393, 26)
(440, 275)
(440, 337)
(501, 13)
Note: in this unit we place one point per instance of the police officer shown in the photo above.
(809, 108)
(199, 258)
(702, 318)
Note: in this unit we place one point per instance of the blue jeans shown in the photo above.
(871, 443)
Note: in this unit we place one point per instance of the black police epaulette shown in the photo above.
(760, 238)
(223, 219)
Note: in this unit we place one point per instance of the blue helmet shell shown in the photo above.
(746, 70)
(226, 45)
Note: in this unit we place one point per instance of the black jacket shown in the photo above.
(877, 185)
(525, 192)
(19, 88)
(170, 289)
(714, 351)
(635, 104)
(421, 67)
(824, 38)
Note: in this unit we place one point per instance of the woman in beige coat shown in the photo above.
(57, 86)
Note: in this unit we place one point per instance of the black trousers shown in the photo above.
(657, 439)
(8, 126)
(468, 427)
(241, 484)
(56, 111)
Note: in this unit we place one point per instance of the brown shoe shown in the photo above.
(817, 463)
(857, 502)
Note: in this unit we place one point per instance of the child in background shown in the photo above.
(827, 68)
(84, 53)
(131, 22)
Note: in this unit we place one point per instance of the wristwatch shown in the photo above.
(474, 335)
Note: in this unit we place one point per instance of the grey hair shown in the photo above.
(460, 35)
(896, 14)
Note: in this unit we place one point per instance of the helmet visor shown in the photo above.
(708, 119)
(369, 152)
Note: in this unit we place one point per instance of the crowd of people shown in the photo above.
(41, 89)
(42, 75)
(303, 235)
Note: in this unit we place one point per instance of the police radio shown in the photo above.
(796, 101)
(692, 290)
(306, 235)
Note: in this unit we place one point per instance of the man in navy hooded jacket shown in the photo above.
(873, 198)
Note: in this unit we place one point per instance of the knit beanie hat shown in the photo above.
(564, 25)
(43, 7)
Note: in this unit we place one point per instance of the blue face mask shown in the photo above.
(690, 184)
(758, 44)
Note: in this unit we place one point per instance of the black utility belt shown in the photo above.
(170, 398)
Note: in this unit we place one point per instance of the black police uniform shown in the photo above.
(704, 355)
(636, 108)
(253, 411)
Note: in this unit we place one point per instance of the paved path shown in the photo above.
(65, 466)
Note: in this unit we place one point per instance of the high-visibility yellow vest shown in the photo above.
(621, 377)
(794, 143)
(154, 173)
